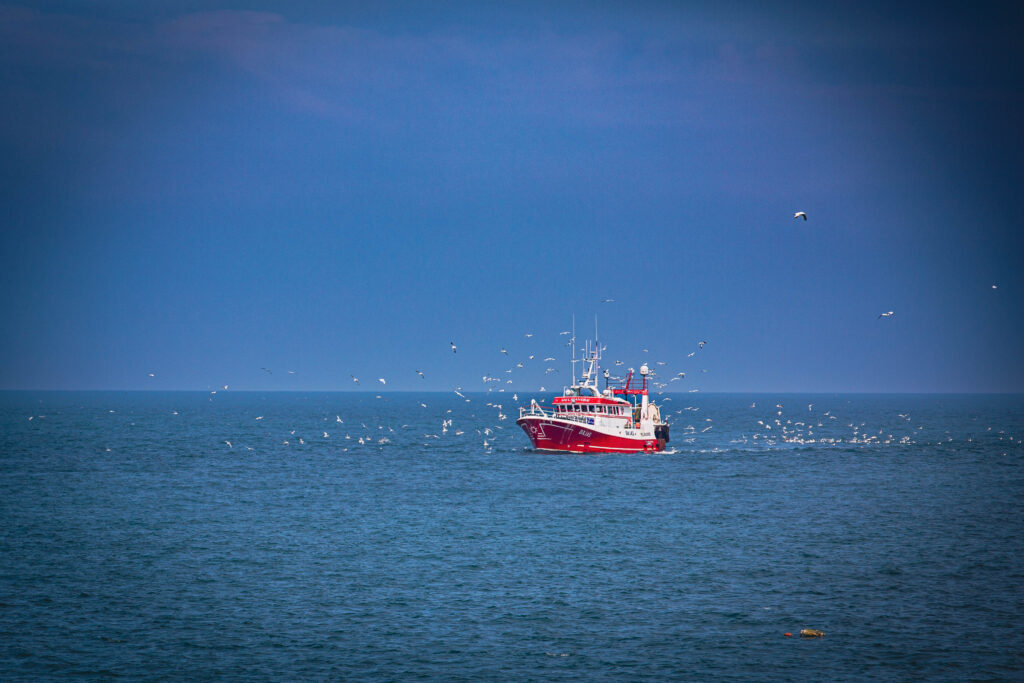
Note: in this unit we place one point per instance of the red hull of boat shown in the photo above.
(557, 435)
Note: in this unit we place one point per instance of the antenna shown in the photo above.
(572, 342)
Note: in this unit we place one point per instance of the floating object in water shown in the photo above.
(811, 633)
(788, 634)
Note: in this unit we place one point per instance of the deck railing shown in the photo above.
(533, 409)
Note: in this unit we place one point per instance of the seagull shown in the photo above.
(152, 375)
(267, 370)
(548, 359)
(607, 301)
(229, 444)
(453, 347)
(566, 332)
(381, 380)
(420, 374)
(528, 335)
(504, 351)
(993, 287)
(355, 379)
(337, 418)
(700, 345)
(886, 315)
(800, 214)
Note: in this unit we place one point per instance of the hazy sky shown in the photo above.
(200, 189)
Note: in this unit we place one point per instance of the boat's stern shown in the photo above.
(661, 435)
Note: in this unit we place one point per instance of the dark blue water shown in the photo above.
(136, 543)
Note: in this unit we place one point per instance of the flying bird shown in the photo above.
(382, 380)
(420, 374)
(453, 347)
(800, 214)
(504, 351)
(889, 314)
(354, 379)
(700, 345)
(607, 301)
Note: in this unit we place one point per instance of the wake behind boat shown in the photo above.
(619, 419)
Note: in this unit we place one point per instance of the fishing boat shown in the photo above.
(620, 418)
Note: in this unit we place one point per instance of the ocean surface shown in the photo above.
(249, 536)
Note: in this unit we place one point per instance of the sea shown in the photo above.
(417, 536)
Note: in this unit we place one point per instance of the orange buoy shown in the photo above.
(788, 634)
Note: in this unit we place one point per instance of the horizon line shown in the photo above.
(517, 391)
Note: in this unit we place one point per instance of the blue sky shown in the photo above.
(199, 190)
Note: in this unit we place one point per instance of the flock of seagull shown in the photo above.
(809, 428)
